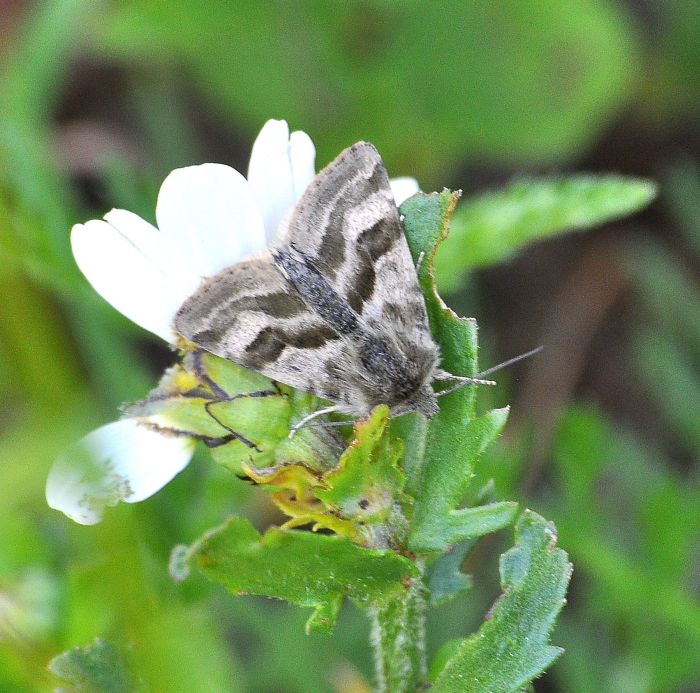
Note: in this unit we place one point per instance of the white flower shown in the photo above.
(403, 188)
(122, 461)
(209, 217)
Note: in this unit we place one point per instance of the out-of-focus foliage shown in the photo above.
(428, 83)
(632, 530)
(511, 84)
(494, 226)
(628, 518)
(96, 667)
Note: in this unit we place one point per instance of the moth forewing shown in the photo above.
(335, 308)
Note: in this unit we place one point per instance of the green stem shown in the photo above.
(398, 640)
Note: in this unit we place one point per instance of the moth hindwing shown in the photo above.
(334, 307)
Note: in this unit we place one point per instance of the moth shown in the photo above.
(333, 307)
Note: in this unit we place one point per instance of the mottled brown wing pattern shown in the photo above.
(249, 314)
(334, 308)
(348, 225)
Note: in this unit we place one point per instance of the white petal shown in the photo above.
(122, 461)
(210, 213)
(128, 267)
(270, 174)
(302, 155)
(163, 252)
(403, 188)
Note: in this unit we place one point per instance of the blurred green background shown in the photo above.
(100, 100)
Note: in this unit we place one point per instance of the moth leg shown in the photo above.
(460, 380)
(419, 261)
(331, 424)
(310, 417)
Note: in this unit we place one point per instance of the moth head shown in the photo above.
(422, 401)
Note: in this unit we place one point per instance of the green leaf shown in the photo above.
(441, 457)
(262, 420)
(425, 223)
(303, 568)
(444, 578)
(241, 414)
(511, 648)
(229, 377)
(494, 226)
(95, 668)
(367, 480)
(360, 494)
(315, 447)
(445, 652)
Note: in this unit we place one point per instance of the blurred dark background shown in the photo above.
(100, 100)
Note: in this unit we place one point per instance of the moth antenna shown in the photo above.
(478, 378)
(462, 379)
(462, 382)
(510, 362)
(309, 417)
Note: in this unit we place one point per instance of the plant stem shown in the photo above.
(398, 641)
